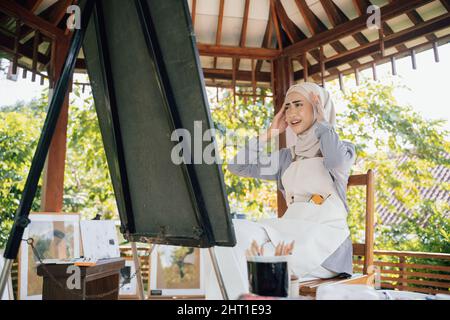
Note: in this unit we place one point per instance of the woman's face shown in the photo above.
(299, 112)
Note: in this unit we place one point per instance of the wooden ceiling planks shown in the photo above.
(278, 23)
(422, 29)
(353, 26)
(27, 17)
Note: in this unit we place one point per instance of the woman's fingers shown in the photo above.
(317, 104)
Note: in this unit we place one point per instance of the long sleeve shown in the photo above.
(253, 162)
(337, 154)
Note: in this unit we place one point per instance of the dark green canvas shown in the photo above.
(162, 207)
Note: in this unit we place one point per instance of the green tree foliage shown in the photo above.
(19, 125)
(384, 131)
(87, 185)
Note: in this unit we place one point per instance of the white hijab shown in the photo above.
(306, 144)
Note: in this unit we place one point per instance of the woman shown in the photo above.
(318, 164)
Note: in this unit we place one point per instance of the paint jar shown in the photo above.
(269, 276)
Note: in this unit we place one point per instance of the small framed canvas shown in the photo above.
(176, 271)
(100, 240)
(55, 236)
(8, 294)
(128, 281)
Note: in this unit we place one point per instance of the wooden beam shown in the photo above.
(237, 52)
(436, 51)
(219, 28)
(364, 4)
(393, 66)
(405, 53)
(446, 4)
(233, 81)
(53, 14)
(309, 17)
(254, 84)
(282, 79)
(35, 57)
(357, 76)
(293, 32)
(416, 19)
(7, 45)
(194, 12)
(243, 38)
(274, 16)
(374, 71)
(316, 26)
(227, 74)
(53, 185)
(305, 67)
(393, 40)
(412, 33)
(322, 67)
(349, 28)
(16, 47)
(58, 11)
(334, 15)
(266, 41)
(33, 5)
(413, 59)
(46, 28)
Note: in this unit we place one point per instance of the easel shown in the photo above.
(21, 217)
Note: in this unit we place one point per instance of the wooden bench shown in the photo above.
(309, 288)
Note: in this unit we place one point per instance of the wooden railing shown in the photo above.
(411, 271)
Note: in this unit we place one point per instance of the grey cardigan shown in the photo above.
(339, 156)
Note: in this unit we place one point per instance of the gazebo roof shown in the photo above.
(238, 39)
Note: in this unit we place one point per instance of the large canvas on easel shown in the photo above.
(162, 206)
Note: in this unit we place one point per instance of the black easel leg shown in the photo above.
(21, 219)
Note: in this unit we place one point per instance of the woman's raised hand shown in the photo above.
(279, 123)
(317, 105)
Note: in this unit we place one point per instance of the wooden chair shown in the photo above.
(365, 249)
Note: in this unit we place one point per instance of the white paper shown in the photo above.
(99, 239)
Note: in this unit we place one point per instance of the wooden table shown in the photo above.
(95, 281)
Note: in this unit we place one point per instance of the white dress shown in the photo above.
(318, 230)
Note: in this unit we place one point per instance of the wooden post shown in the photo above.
(254, 80)
(305, 67)
(381, 39)
(374, 71)
(402, 275)
(394, 66)
(413, 59)
(341, 82)
(370, 222)
(16, 48)
(53, 187)
(357, 76)
(282, 79)
(35, 54)
(436, 51)
(234, 80)
(322, 66)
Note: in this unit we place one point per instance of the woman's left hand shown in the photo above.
(317, 105)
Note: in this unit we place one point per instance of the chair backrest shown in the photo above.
(366, 249)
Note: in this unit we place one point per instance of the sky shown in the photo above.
(429, 85)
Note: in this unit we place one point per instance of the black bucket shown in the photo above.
(269, 276)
